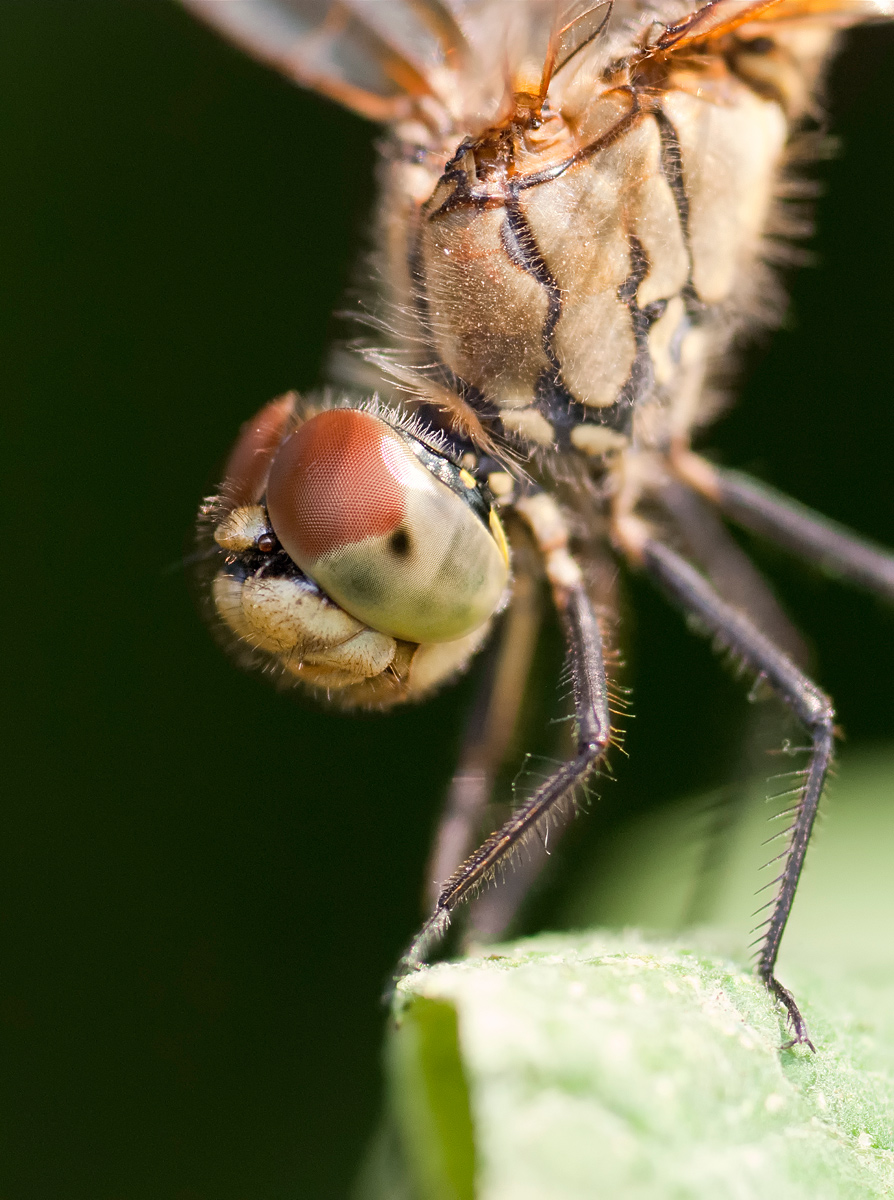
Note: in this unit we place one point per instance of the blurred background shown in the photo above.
(205, 883)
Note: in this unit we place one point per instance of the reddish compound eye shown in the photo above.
(246, 472)
(331, 484)
(355, 508)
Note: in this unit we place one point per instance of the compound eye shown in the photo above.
(399, 550)
(249, 463)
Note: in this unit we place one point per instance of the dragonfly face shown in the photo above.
(359, 556)
(579, 205)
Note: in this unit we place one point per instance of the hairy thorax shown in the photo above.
(565, 276)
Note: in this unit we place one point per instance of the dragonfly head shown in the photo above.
(357, 555)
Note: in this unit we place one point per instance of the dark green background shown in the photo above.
(204, 883)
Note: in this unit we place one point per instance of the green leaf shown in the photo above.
(430, 1098)
(617, 1064)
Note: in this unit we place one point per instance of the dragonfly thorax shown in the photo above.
(580, 264)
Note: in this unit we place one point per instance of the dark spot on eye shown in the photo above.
(364, 586)
(400, 543)
(266, 543)
(760, 45)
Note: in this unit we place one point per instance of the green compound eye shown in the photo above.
(359, 513)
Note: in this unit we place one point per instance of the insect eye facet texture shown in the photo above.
(356, 510)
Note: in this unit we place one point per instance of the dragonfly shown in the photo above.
(582, 209)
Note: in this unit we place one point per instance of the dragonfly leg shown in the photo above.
(812, 708)
(710, 544)
(489, 732)
(792, 525)
(582, 634)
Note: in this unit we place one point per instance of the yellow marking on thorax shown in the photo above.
(496, 528)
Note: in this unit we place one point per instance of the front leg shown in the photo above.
(490, 731)
(584, 641)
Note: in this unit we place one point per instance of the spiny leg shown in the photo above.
(489, 731)
(494, 909)
(692, 592)
(594, 732)
(712, 547)
(798, 529)
(583, 638)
